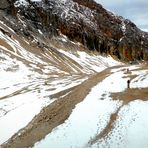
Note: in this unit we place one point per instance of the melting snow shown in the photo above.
(19, 111)
(92, 115)
(141, 81)
(91, 63)
(21, 2)
(23, 85)
(130, 129)
(86, 120)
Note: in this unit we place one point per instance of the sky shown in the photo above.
(136, 10)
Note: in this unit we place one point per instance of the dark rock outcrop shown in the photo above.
(4, 4)
(8, 6)
(86, 22)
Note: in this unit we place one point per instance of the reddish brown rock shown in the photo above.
(89, 23)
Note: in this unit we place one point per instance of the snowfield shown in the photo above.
(28, 79)
(90, 117)
(56, 93)
(109, 116)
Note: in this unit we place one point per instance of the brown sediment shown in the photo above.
(6, 45)
(54, 114)
(131, 77)
(107, 129)
(131, 95)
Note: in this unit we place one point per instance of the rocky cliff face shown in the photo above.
(4, 4)
(82, 21)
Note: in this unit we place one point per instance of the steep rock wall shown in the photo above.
(88, 23)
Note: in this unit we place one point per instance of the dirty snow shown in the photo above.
(29, 79)
(130, 129)
(92, 115)
(91, 63)
(93, 110)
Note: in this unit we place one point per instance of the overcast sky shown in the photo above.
(135, 10)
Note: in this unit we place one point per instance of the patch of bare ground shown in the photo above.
(54, 114)
(131, 95)
(6, 45)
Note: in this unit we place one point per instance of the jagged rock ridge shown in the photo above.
(83, 21)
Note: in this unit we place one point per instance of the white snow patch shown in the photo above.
(75, 132)
(96, 110)
(18, 111)
(21, 2)
(91, 63)
(40, 31)
(123, 27)
(130, 129)
(141, 81)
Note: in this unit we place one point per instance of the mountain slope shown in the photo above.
(52, 53)
(31, 74)
(83, 21)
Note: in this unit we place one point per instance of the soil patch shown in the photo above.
(131, 94)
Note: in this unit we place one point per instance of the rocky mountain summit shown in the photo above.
(82, 21)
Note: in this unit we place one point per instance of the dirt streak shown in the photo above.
(131, 95)
(107, 129)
